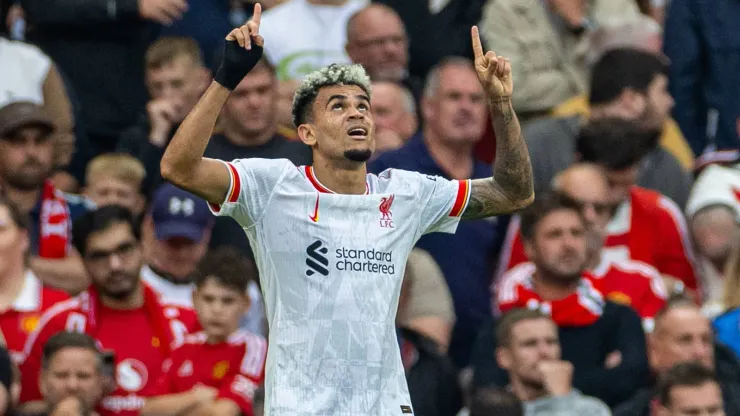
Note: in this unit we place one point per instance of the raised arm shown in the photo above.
(183, 163)
(511, 188)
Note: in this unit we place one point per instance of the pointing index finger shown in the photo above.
(257, 15)
(477, 47)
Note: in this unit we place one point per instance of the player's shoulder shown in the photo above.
(393, 179)
(259, 163)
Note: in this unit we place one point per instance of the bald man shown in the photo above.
(586, 184)
(377, 39)
(683, 334)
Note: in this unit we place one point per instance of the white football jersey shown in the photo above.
(331, 268)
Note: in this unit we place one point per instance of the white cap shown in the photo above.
(717, 185)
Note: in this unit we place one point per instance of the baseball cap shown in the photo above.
(178, 213)
(22, 114)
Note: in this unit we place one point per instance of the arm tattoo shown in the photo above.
(511, 187)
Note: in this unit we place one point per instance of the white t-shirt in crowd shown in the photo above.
(301, 37)
(23, 71)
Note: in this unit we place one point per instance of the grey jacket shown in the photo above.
(552, 144)
(574, 404)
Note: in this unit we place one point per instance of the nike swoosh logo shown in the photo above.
(315, 216)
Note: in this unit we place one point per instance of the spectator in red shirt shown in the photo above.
(221, 367)
(644, 226)
(604, 340)
(125, 316)
(72, 376)
(23, 298)
(626, 281)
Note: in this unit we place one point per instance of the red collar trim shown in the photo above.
(321, 188)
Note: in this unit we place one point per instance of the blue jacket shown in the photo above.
(702, 41)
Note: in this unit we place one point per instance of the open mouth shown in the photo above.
(359, 132)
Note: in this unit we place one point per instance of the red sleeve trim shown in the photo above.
(236, 185)
(463, 192)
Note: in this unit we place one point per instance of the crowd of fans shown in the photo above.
(616, 292)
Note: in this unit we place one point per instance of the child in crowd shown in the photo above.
(115, 179)
(221, 367)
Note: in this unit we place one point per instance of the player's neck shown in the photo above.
(347, 180)
(11, 285)
(456, 161)
(134, 301)
(239, 137)
(548, 288)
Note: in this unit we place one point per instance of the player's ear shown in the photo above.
(307, 133)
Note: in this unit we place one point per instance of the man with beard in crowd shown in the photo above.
(124, 315)
(629, 84)
(26, 161)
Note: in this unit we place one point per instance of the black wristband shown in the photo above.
(236, 63)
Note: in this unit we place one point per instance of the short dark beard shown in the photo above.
(23, 182)
(358, 155)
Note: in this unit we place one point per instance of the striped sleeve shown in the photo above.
(251, 183)
(442, 203)
(234, 188)
(461, 200)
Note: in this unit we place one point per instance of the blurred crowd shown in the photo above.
(616, 292)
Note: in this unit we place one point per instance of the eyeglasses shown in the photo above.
(380, 41)
(123, 251)
(600, 208)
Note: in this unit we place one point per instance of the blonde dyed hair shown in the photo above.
(334, 74)
(120, 166)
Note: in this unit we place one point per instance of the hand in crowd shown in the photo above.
(204, 394)
(162, 115)
(572, 11)
(557, 376)
(165, 12)
(613, 360)
(71, 406)
(15, 13)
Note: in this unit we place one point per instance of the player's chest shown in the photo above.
(376, 215)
